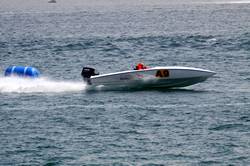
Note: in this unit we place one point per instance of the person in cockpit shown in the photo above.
(140, 66)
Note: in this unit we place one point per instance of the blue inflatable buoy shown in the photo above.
(22, 71)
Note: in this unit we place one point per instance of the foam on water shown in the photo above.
(40, 85)
(231, 2)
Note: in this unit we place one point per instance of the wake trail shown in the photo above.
(39, 85)
(229, 2)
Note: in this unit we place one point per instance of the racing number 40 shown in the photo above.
(162, 73)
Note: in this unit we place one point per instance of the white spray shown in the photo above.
(39, 85)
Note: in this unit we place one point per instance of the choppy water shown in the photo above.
(55, 121)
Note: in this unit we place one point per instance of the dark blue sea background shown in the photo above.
(55, 121)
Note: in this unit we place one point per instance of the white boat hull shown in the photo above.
(157, 77)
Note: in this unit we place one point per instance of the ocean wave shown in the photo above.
(124, 44)
(230, 126)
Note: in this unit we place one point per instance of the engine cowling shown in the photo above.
(87, 72)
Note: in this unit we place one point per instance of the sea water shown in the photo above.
(54, 120)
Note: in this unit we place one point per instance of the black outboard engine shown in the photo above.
(87, 72)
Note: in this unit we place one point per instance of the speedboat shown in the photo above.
(155, 77)
(140, 77)
(51, 1)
